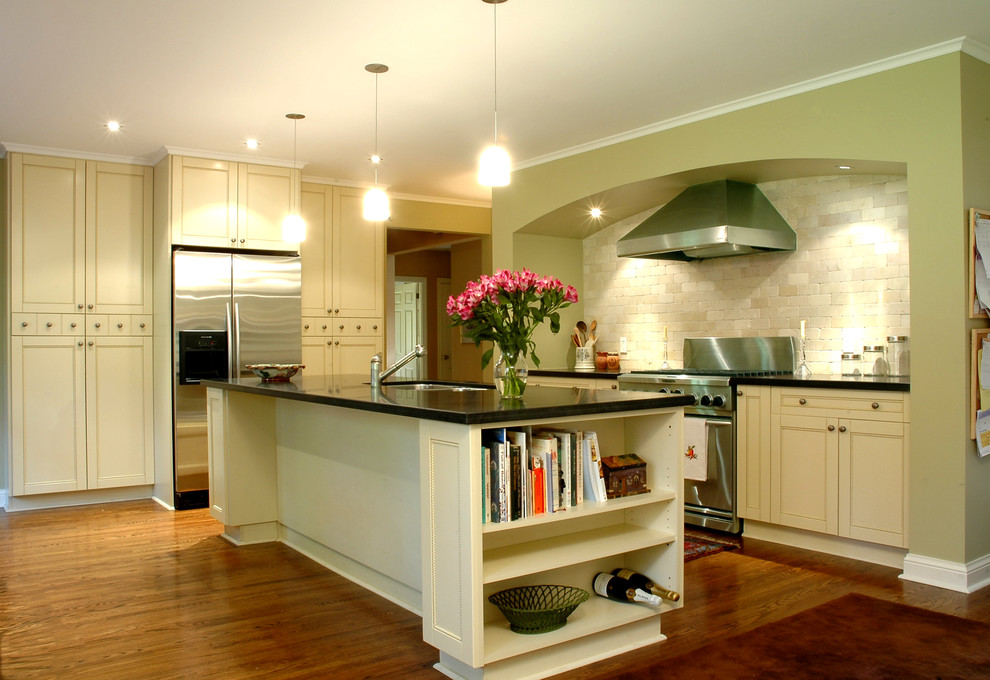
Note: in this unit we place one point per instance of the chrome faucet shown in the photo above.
(378, 375)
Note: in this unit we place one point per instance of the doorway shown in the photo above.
(408, 323)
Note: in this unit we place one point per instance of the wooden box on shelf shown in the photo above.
(625, 475)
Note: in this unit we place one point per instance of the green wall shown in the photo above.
(912, 114)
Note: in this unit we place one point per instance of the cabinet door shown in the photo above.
(119, 419)
(265, 197)
(48, 417)
(804, 472)
(873, 481)
(353, 354)
(358, 258)
(317, 250)
(217, 447)
(118, 238)
(47, 234)
(204, 202)
(317, 356)
(753, 452)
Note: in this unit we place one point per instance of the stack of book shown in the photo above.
(529, 472)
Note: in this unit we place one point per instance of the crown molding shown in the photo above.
(6, 147)
(963, 44)
(232, 157)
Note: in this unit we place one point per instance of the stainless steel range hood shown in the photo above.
(716, 219)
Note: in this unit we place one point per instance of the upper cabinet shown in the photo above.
(223, 204)
(81, 236)
(343, 256)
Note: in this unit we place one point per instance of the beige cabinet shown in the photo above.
(231, 205)
(752, 439)
(836, 460)
(343, 257)
(340, 346)
(81, 413)
(80, 268)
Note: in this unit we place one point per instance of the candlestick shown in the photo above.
(802, 329)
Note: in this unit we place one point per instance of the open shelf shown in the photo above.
(532, 557)
(585, 509)
(593, 616)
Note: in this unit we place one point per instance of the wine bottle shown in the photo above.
(619, 589)
(640, 581)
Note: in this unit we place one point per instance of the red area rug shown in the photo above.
(698, 544)
(854, 637)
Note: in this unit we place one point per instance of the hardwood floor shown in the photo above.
(132, 590)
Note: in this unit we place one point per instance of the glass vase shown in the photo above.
(511, 372)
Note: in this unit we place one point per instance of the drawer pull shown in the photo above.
(359, 327)
(73, 325)
(306, 327)
(341, 326)
(97, 324)
(24, 324)
(143, 324)
(875, 405)
(120, 325)
(49, 324)
(802, 401)
(375, 327)
(324, 326)
(831, 428)
(842, 428)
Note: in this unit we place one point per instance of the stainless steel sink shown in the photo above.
(438, 386)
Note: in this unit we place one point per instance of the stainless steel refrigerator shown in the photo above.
(228, 310)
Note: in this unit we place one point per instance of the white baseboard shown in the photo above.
(863, 551)
(68, 498)
(962, 578)
(3, 498)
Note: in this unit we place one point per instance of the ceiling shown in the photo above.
(572, 74)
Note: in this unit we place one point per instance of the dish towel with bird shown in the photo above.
(696, 449)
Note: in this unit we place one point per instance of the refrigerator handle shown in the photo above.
(230, 343)
(237, 341)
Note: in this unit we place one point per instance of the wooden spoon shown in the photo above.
(582, 328)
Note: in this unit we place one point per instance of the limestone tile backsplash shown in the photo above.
(848, 278)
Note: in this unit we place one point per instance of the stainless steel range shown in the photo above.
(711, 367)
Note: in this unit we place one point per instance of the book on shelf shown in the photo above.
(520, 480)
(594, 481)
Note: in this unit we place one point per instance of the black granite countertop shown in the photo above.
(825, 380)
(466, 407)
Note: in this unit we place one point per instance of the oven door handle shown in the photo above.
(711, 440)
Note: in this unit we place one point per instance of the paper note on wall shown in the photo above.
(983, 357)
(983, 433)
(982, 280)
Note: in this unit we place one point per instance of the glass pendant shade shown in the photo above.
(293, 229)
(376, 205)
(493, 170)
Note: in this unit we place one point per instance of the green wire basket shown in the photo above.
(538, 609)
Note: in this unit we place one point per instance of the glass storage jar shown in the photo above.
(899, 356)
(851, 363)
(874, 360)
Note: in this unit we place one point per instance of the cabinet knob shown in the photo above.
(120, 325)
(336, 342)
(375, 327)
(79, 306)
(233, 240)
(329, 342)
(329, 311)
(79, 343)
(49, 324)
(143, 324)
(24, 324)
(875, 405)
(89, 306)
(90, 343)
(802, 401)
(306, 327)
(615, 387)
(242, 240)
(341, 326)
(97, 324)
(842, 428)
(831, 428)
(739, 393)
(359, 327)
(336, 311)
(72, 325)
(324, 326)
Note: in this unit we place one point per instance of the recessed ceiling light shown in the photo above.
(596, 213)
(113, 126)
(252, 144)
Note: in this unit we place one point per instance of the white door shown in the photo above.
(408, 325)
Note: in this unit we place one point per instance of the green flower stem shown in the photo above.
(512, 385)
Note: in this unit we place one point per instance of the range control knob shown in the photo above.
(677, 391)
(706, 400)
(718, 401)
(664, 390)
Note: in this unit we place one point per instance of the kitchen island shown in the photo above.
(385, 487)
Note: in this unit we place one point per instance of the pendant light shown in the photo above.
(493, 171)
(376, 200)
(293, 226)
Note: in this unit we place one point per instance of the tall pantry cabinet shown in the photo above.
(79, 312)
(343, 282)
